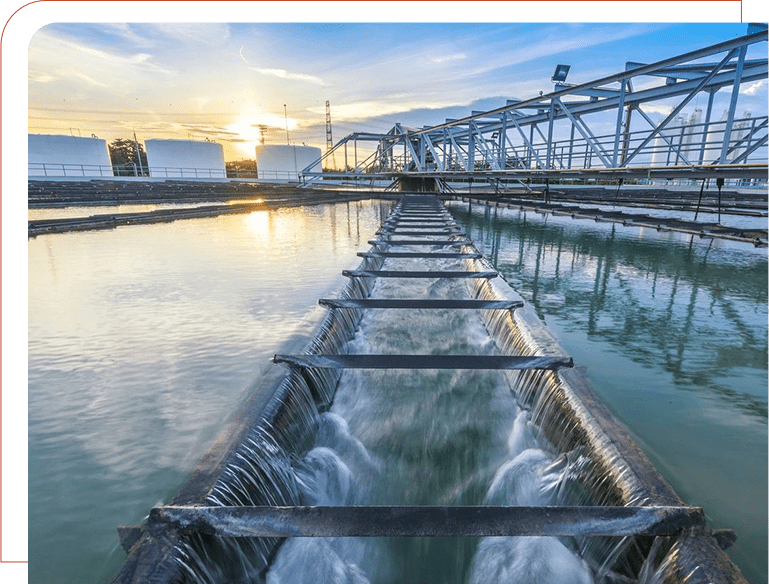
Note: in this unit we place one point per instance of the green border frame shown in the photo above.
(21, 26)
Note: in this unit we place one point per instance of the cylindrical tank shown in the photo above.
(61, 155)
(185, 158)
(285, 162)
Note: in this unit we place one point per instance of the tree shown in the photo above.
(241, 168)
(122, 153)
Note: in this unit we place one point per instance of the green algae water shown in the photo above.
(672, 331)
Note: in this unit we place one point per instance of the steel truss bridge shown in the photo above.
(589, 131)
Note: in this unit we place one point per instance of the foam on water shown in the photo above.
(426, 437)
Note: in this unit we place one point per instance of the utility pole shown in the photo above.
(329, 138)
(139, 156)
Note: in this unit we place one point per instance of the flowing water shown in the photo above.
(427, 437)
(144, 340)
(400, 437)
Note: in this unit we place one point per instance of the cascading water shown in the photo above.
(426, 437)
(433, 437)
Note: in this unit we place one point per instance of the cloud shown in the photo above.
(658, 109)
(127, 33)
(446, 58)
(280, 73)
(362, 110)
(36, 77)
(545, 44)
(207, 33)
(50, 50)
(753, 89)
(90, 80)
(283, 74)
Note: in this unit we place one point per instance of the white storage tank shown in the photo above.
(61, 155)
(185, 159)
(285, 162)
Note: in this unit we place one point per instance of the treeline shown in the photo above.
(128, 158)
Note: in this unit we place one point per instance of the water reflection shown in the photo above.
(672, 331)
(142, 343)
(696, 308)
(39, 213)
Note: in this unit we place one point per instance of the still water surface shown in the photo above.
(144, 340)
(39, 213)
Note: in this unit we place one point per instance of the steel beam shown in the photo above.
(490, 362)
(420, 303)
(422, 521)
(416, 274)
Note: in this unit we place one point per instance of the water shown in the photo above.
(672, 331)
(142, 342)
(88, 210)
(427, 437)
(118, 415)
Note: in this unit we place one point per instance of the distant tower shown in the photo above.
(329, 138)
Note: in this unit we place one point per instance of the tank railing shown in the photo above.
(65, 169)
(430, 521)
(186, 172)
(102, 170)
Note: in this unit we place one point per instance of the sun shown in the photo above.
(254, 128)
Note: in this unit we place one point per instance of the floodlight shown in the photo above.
(561, 71)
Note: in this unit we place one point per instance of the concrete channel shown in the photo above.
(624, 495)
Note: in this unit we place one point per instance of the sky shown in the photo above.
(241, 83)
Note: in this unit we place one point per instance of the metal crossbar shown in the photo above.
(450, 220)
(418, 242)
(423, 521)
(434, 232)
(366, 361)
(415, 274)
(419, 225)
(420, 303)
(422, 215)
(417, 254)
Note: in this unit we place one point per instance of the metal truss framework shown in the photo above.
(590, 130)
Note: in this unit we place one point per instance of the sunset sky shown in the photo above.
(223, 81)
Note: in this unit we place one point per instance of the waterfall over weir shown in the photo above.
(429, 392)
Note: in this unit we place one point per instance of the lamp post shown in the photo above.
(285, 115)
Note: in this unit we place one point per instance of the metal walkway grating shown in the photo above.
(425, 521)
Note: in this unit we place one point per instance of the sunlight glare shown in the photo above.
(257, 224)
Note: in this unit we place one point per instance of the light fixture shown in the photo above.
(561, 71)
